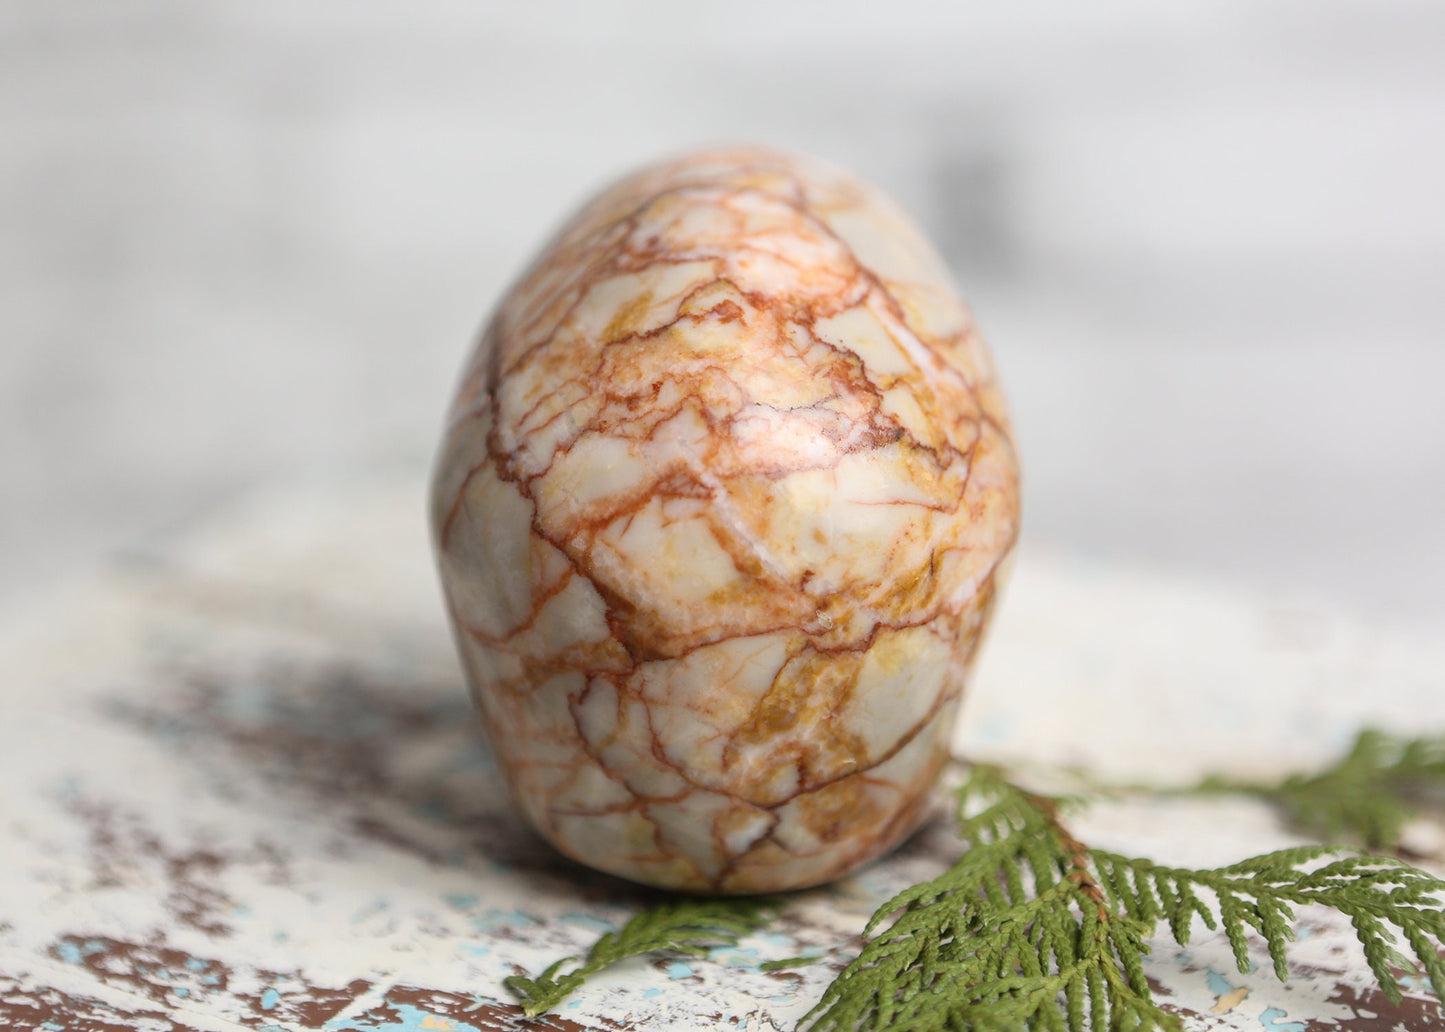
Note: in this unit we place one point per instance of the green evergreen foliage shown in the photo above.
(1032, 929)
(1018, 933)
(1366, 798)
(688, 926)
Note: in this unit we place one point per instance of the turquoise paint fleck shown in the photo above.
(651, 993)
(679, 969)
(269, 999)
(494, 919)
(195, 964)
(1270, 1019)
(994, 729)
(73, 954)
(588, 921)
(181, 991)
(472, 949)
(409, 1019)
(740, 957)
(1218, 984)
(51, 1026)
(1416, 983)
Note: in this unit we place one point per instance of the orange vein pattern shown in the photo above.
(720, 513)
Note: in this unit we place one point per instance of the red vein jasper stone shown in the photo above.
(720, 513)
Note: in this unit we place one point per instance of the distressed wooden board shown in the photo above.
(244, 789)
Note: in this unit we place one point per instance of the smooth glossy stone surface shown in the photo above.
(720, 513)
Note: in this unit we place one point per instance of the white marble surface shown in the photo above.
(249, 242)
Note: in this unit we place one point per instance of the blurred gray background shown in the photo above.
(250, 243)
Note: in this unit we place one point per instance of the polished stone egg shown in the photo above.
(720, 514)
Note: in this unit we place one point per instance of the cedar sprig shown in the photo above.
(1018, 933)
(1031, 929)
(1384, 898)
(687, 926)
(1366, 798)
